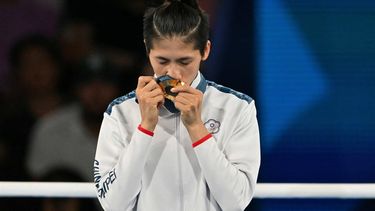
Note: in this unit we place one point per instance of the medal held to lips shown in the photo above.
(166, 83)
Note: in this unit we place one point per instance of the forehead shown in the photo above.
(174, 47)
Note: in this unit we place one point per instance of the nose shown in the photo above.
(174, 71)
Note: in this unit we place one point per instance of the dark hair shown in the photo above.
(175, 18)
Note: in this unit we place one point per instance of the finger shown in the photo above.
(186, 89)
(151, 97)
(143, 81)
(195, 97)
(188, 104)
(181, 107)
(151, 85)
(185, 98)
(181, 88)
(156, 101)
(155, 92)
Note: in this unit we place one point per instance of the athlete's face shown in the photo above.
(177, 59)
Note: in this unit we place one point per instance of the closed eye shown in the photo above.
(184, 61)
(162, 61)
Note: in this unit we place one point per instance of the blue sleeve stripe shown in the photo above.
(120, 100)
(224, 89)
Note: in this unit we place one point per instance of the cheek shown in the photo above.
(192, 69)
(188, 73)
(157, 68)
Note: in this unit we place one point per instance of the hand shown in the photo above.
(189, 102)
(150, 97)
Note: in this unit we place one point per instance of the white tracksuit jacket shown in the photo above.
(161, 171)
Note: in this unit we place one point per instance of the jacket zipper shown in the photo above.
(180, 182)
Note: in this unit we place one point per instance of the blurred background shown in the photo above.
(309, 65)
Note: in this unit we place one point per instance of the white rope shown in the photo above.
(263, 190)
(47, 189)
(292, 190)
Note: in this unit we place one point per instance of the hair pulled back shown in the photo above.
(172, 18)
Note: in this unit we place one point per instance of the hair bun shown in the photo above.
(154, 3)
(192, 3)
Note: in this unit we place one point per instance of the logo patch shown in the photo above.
(212, 126)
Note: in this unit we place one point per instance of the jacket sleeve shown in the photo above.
(119, 164)
(231, 173)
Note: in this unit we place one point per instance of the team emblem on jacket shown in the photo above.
(212, 126)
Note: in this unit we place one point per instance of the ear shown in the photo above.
(207, 50)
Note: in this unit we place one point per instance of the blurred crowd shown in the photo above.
(61, 63)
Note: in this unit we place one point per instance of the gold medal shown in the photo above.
(166, 83)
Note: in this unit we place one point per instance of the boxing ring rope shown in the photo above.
(263, 190)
